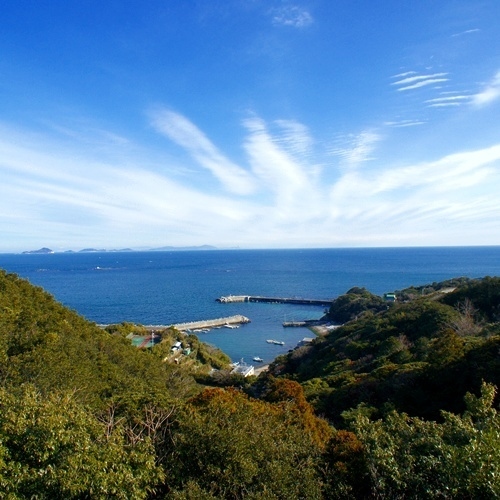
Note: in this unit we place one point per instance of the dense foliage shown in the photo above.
(406, 392)
(354, 303)
(419, 356)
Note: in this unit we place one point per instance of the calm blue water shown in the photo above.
(173, 287)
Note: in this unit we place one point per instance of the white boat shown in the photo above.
(257, 359)
(231, 326)
(276, 342)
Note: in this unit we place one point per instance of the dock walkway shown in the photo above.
(278, 300)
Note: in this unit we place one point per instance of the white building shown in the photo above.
(243, 369)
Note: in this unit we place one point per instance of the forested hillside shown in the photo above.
(419, 355)
(398, 402)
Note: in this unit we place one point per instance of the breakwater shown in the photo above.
(212, 323)
(278, 300)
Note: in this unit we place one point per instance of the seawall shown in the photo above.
(212, 323)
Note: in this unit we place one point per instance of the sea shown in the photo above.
(168, 287)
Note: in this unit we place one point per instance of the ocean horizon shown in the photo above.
(168, 287)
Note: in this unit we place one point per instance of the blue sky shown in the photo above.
(249, 123)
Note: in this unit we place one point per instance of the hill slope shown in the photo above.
(420, 355)
(83, 414)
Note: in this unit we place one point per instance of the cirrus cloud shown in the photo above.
(183, 132)
(490, 92)
(291, 15)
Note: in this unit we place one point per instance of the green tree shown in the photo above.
(51, 447)
(345, 468)
(230, 446)
(354, 303)
(412, 458)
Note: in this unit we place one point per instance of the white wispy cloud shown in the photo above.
(447, 174)
(406, 73)
(294, 137)
(444, 105)
(404, 123)
(423, 200)
(180, 130)
(291, 181)
(490, 92)
(466, 32)
(448, 101)
(64, 198)
(291, 15)
(50, 193)
(418, 78)
(415, 81)
(87, 133)
(423, 83)
(356, 149)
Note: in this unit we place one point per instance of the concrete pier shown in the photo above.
(279, 300)
(233, 298)
(212, 323)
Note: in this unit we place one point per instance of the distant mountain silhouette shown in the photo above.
(41, 250)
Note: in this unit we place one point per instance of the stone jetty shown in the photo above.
(212, 323)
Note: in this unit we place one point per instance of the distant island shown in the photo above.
(41, 250)
(46, 250)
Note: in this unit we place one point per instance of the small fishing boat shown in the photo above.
(257, 359)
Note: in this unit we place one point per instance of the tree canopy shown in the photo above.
(398, 402)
